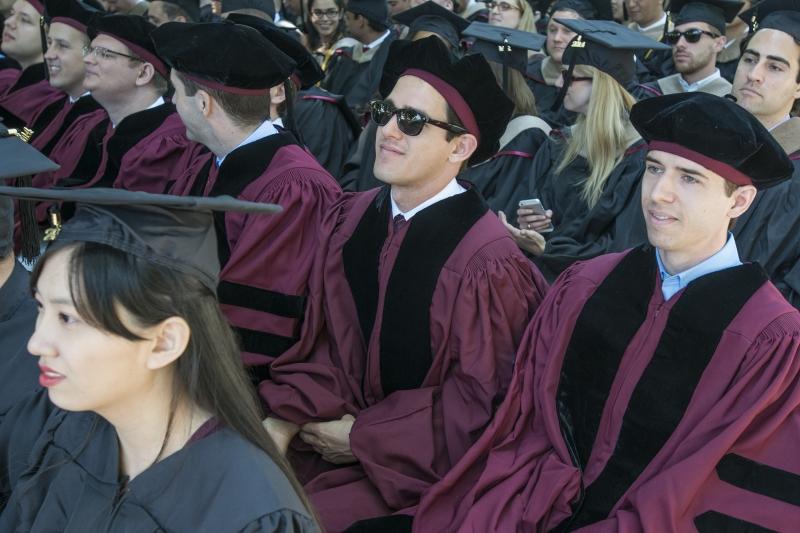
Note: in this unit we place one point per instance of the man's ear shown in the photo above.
(146, 74)
(742, 199)
(204, 102)
(463, 146)
(170, 339)
(277, 95)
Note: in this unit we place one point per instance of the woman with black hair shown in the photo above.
(146, 420)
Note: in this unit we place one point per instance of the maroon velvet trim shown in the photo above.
(453, 97)
(726, 171)
(515, 153)
(226, 88)
(70, 22)
(328, 99)
(635, 148)
(37, 5)
(209, 426)
(142, 53)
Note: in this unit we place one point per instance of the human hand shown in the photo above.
(530, 219)
(281, 431)
(331, 439)
(527, 239)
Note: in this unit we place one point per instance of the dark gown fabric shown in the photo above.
(653, 65)
(503, 180)
(356, 74)
(266, 260)
(728, 60)
(328, 127)
(629, 413)
(27, 95)
(581, 232)
(60, 472)
(541, 76)
(769, 232)
(357, 174)
(421, 370)
(49, 133)
(19, 370)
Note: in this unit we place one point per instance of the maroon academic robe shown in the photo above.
(411, 329)
(29, 93)
(629, 413)
(266, 260)
(49, 135)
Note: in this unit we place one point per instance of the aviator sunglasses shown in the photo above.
(409, 121)
(692, 36)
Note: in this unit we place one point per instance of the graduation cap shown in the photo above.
(176, 232)
(606, 46)
(432, 17)
(715, 13)
(223, 56)
(716, 133)
(468, 85)
(134, 32)
(583, 8)
(265, 6)
(20, 162)
(375, 11)
(504, 46)
(307, 72)
(190, 7)
(781, 15)
(73, 13)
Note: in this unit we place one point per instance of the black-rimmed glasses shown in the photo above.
(692, 35)
(409, 120)
(105, 53)
(326, 14)
(573, 78)
(501, 6)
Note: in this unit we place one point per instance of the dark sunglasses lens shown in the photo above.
(693, 36)
(673, 37)
(381, 113)
(410, 122)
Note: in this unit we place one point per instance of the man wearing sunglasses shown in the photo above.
(421, 298)
(696, 40)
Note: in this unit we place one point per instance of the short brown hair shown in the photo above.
(243, 110)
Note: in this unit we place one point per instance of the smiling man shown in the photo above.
(697, 38)
(767, 83)
(420, 299)
(658, 388)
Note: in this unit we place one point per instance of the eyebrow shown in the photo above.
(685, 170)
(771, 58)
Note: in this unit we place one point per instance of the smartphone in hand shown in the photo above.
(538, 209)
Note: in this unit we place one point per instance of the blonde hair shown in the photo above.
(517, 91)
(601, 132)
(526, 19)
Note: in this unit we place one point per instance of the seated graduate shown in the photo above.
(736, 32)
(146, 421)
(656, 389)
(416, 303)
(503, 179)
(425, 20)
(697, 38)
(766, 84)
(593, 172)
(25, 92)
(225, 104)
(322, 121)
(543, 73)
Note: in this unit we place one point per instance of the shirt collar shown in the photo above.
(379, 40)
(696, 86)
(451, 189)
(659, 22)
(73, 100)
(727, 257)
(786, 118)
(264, 130)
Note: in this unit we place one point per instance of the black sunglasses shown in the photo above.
(692, 36)
(573, 78)
(409, 121)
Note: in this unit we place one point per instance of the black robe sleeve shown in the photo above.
(357, 174)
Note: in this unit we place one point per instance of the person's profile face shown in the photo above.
(558, 35)
(21, 37)
(64, 58)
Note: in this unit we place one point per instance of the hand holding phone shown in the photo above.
(537, 217)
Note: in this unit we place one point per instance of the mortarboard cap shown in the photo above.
(713, 132)
(432, 17)
(375, 11)
(607, 46)
(190, 7)
(176, 232)
(468, 85)
(583, 8)
(73, 13)
(265, 6)
(715, 13)
(222, 55)
(307, 72)
(781, 15)
(134, 32)
(504, 45)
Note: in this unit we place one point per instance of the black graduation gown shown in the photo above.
(18, 369)
(652, 65)
(540, 75)
(59, 471)
(613, 224)
(503, 180)
(328, 127)
(356, 75)
(357, 175)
